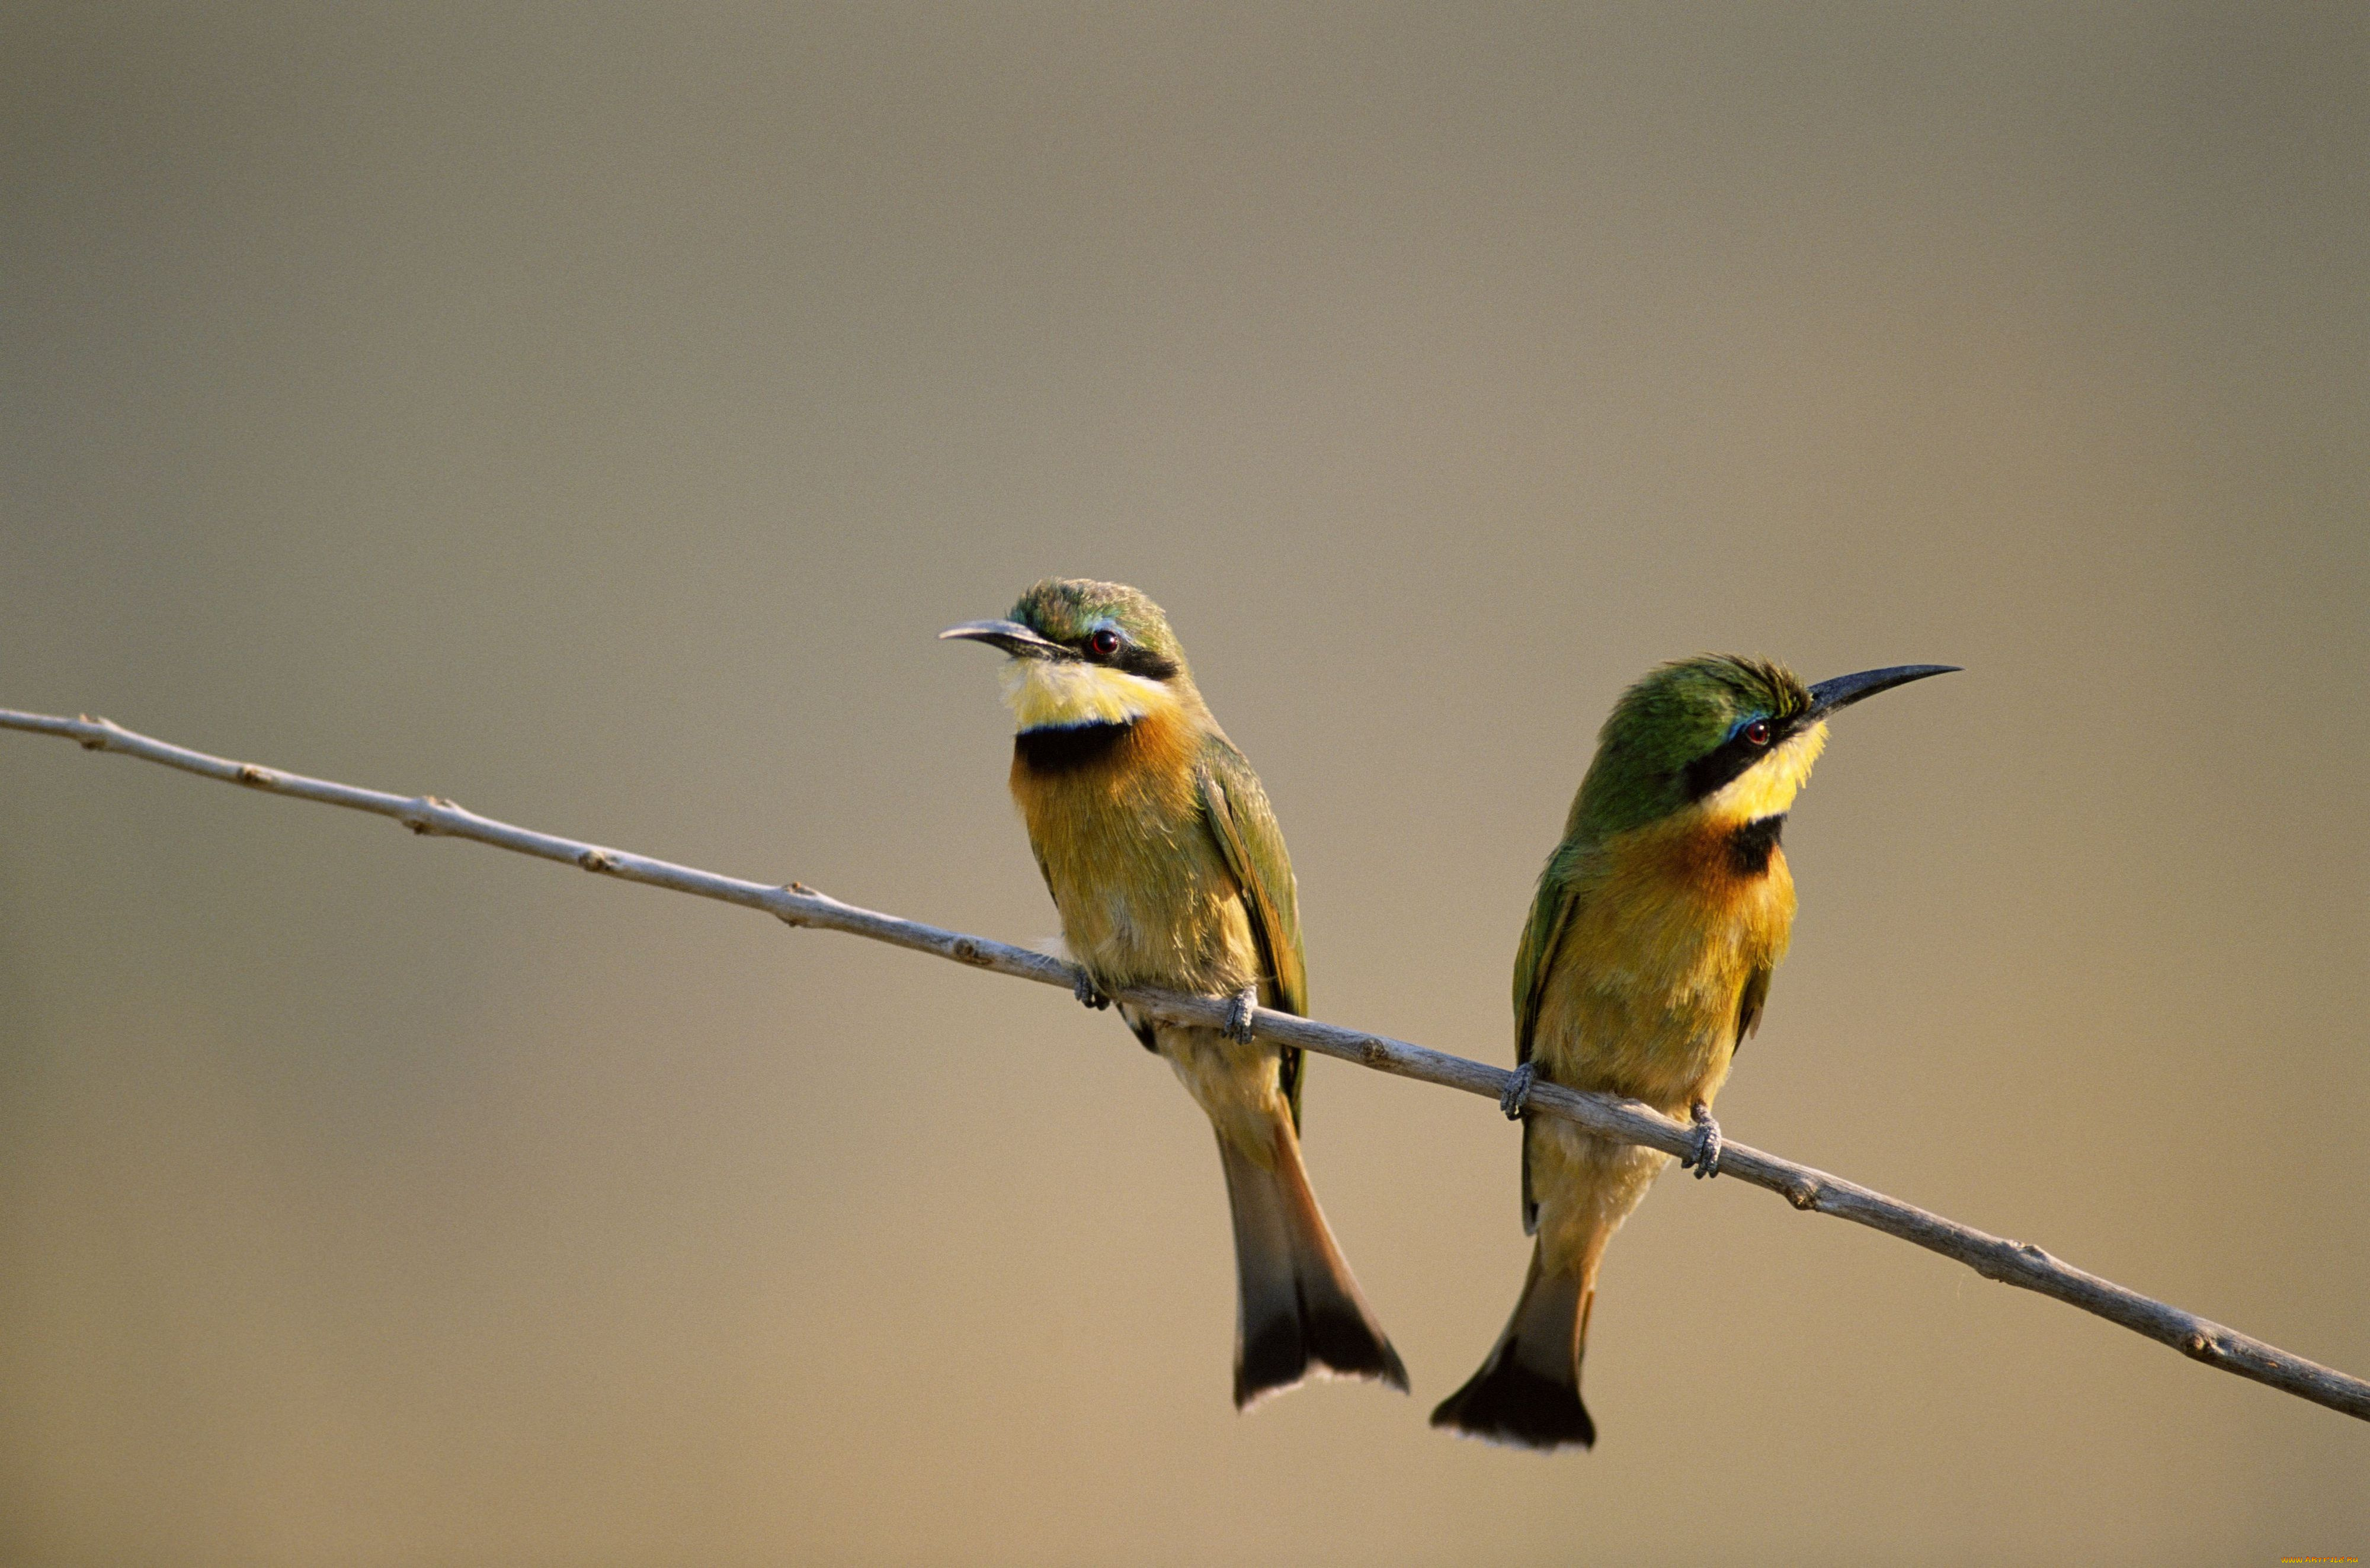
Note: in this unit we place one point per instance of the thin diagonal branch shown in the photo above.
(2012, 1262)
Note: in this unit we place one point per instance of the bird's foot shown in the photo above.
(1084, 989)
(1705, 1156)
(1238, 1014)
(1518, 1092)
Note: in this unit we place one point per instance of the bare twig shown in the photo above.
(2013, 1263)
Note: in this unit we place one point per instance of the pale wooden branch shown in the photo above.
(2013, 1263)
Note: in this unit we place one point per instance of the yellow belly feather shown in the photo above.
(1146, 897)
(1145, 894)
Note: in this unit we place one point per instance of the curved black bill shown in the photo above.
(1845, 690)
(1011, 636)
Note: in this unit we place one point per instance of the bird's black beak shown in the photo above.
(1011, 636)
(1845, 690)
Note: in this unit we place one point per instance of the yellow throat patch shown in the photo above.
(1043, 694)
(1769, 786)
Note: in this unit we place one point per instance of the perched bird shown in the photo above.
(1167, 864)
(1645, 964)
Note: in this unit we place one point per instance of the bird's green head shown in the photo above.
(1107, 623)
(1733, 738)
(1084, 653)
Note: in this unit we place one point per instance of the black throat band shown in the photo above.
(1750, 847)
(1069, 747)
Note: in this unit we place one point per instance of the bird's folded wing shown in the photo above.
(1551, 913)
(1245, 827)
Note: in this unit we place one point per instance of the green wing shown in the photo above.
(1244, 825)
(1551, 914)
(1748, 1007)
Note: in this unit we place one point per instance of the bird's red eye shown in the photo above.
(1758, 732)
(1105, 642)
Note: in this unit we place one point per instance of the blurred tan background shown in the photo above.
(591, 413)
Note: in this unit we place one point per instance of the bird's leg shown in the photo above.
(1082, 986)
(1238, 1014)
(1518, 1092)
(1705, 1156)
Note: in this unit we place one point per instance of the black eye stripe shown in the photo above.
(1729, 757)
(1129, 655)
(1145, 662)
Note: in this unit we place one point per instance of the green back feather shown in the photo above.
(1244, 824)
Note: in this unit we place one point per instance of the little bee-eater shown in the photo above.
(1167, 864)
(1643, 968)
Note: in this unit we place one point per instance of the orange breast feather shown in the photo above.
(1644, 996)
(1143, 890)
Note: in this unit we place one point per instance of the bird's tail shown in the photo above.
(1528, 1393)
(1301, 1310)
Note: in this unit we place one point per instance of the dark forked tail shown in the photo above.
(1300, 1308)
(1528, 1393)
